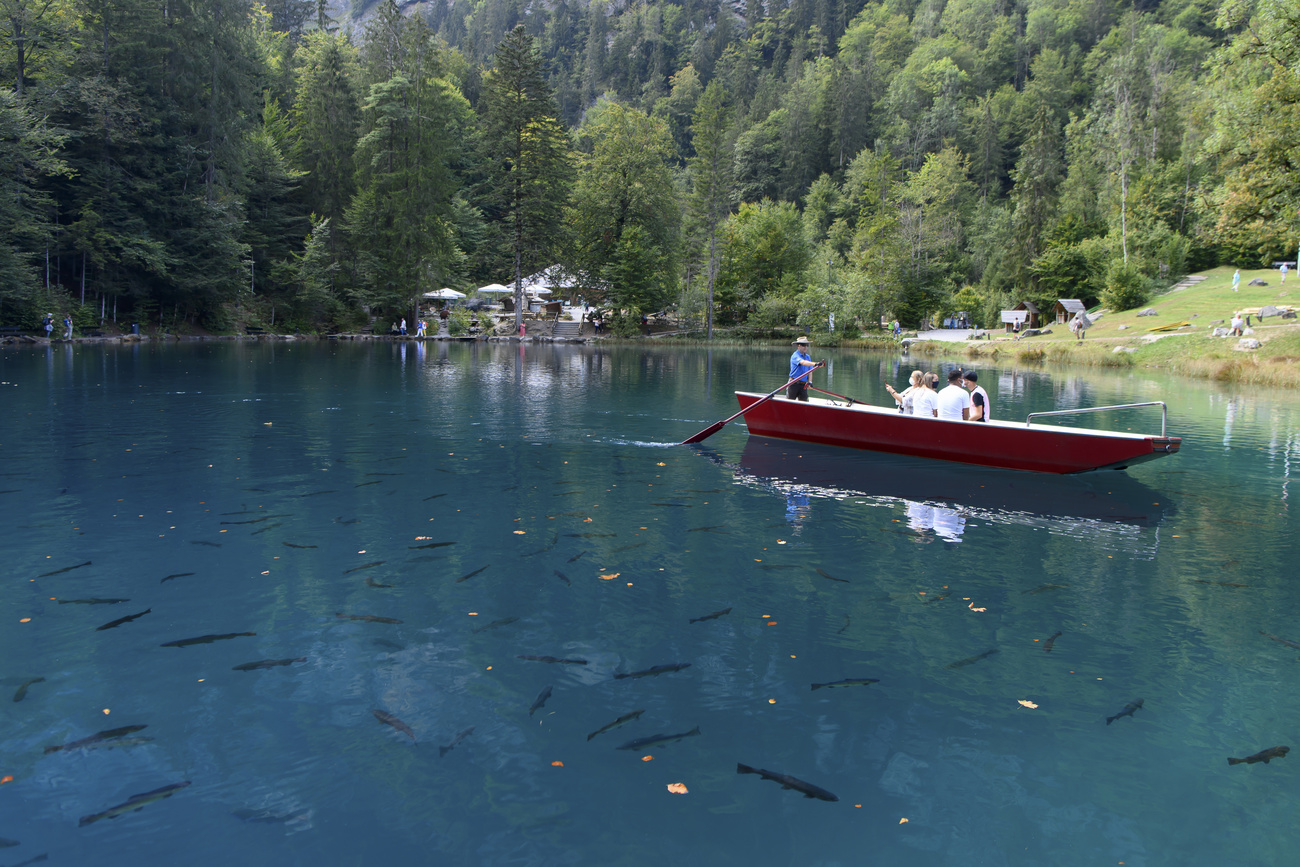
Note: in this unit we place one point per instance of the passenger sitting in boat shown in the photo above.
(954, 402)
(798, 361)
(979, 398)
(904, 398)
(925, 402)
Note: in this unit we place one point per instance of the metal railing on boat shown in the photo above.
(1164, 412)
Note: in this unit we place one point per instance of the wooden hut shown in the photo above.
(1065, 309)
(1028, 318)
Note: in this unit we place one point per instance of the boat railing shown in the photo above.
(1164, 412)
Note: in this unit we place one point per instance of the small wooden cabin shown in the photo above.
(1065, 309)
(1032, 319)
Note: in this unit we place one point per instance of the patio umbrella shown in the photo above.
(444, 294)
(495, 289)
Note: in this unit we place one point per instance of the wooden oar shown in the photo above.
(718, 425)
(851, 400)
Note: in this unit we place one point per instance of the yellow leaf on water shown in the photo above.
(520, 532)
(647, 758)
(610, 577)
(678, 788)
(1028, 704)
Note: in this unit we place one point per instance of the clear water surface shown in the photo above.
(503, 502)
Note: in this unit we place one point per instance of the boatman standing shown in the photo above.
(979, 398)
(801, 365)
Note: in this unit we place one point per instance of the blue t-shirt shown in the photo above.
(796, 368)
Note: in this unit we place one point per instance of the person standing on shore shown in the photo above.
(1236, 279)
(1283, 269)
(801, 365)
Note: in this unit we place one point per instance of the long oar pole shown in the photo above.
(851, 400)
(718, 425)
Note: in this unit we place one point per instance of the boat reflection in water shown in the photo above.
(939, 499)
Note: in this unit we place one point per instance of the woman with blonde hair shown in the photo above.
(904, 398)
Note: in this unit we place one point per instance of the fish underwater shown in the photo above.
(1051, 642)
(714, 616)
(962, 663)
(371, 582)
(268, 663)
(367, 618)
(22, 690)
(94, 600)
(98, 737)
(541, 700)
(65, 569)
(851, 681)
(205, 639)
(1288, 642)
(1043, 589)
(623, 720)
(504, 621)
(1262, 756)
(365, 566)
(135, 802)
(658, 740)
(460, 736)
(1128, 710)
(177, 575)
(119, 621)
(808, 790)
(563, 577)
(825, 574)
(654, 670)
(385, 717)
(470, 575)
(555, 659)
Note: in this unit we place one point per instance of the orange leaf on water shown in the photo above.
(678, 788)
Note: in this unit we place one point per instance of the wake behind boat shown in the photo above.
(1007, 445)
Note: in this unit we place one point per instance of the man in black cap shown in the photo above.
(800, 364)
(979, 398)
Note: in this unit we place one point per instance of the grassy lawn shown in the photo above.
(1189, 350)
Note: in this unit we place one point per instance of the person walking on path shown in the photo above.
(1236, 279)
(67, 327)
(801, 365)
(954, 402)
(1283, 269)
(979, 398)
(49, 325)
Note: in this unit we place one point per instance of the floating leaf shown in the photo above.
(902, 821)
(557, 764)
(611, 576)
(519, 532)
(1029, 704)
(678, 788)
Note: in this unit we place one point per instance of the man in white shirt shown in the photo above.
(979, 398)
(954, 402)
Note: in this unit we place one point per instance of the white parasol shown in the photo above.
(495, 289)
(444, 294)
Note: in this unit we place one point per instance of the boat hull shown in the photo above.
(1007, 445)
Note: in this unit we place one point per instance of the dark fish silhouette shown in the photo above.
(555, 659)
(460, 736)
(1262, 756)
(434, 497)
(1043, 589)
(623, 720)
(716, 528)
(623, 548)
(657, 740)
(267, 528)
(6, 843)
(384, 642)
(577, 556)
(430, 545)
(340, 520)
(92, 601)
(204, 542)
(655, 670)
(206, 639)
(1049, 643)
(365, 566)
(135, 802)
(1127, 711)
(22, 690)
(840, 631)
(850, 681)
(316, 493)
(825, 574)
(119, 621)
(714, 616)
(962, 663)
(470, 575)
(367, 618)
(563, 577)
(504, 621)
(44, 856)
(385, 717)
(268, 663)
(1286, 641)
(255, 520)
(788, 782)
(65, 569)
(541, 700)
(177, 575)
(292, 545)
(99, 737)
(371, 582)
(364, 484)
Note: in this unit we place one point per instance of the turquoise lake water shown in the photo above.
(502, 502)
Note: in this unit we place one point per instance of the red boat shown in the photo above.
(1009, 445)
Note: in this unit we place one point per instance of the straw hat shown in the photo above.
(803, 340)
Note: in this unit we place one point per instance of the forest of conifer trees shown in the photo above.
(191, 164)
